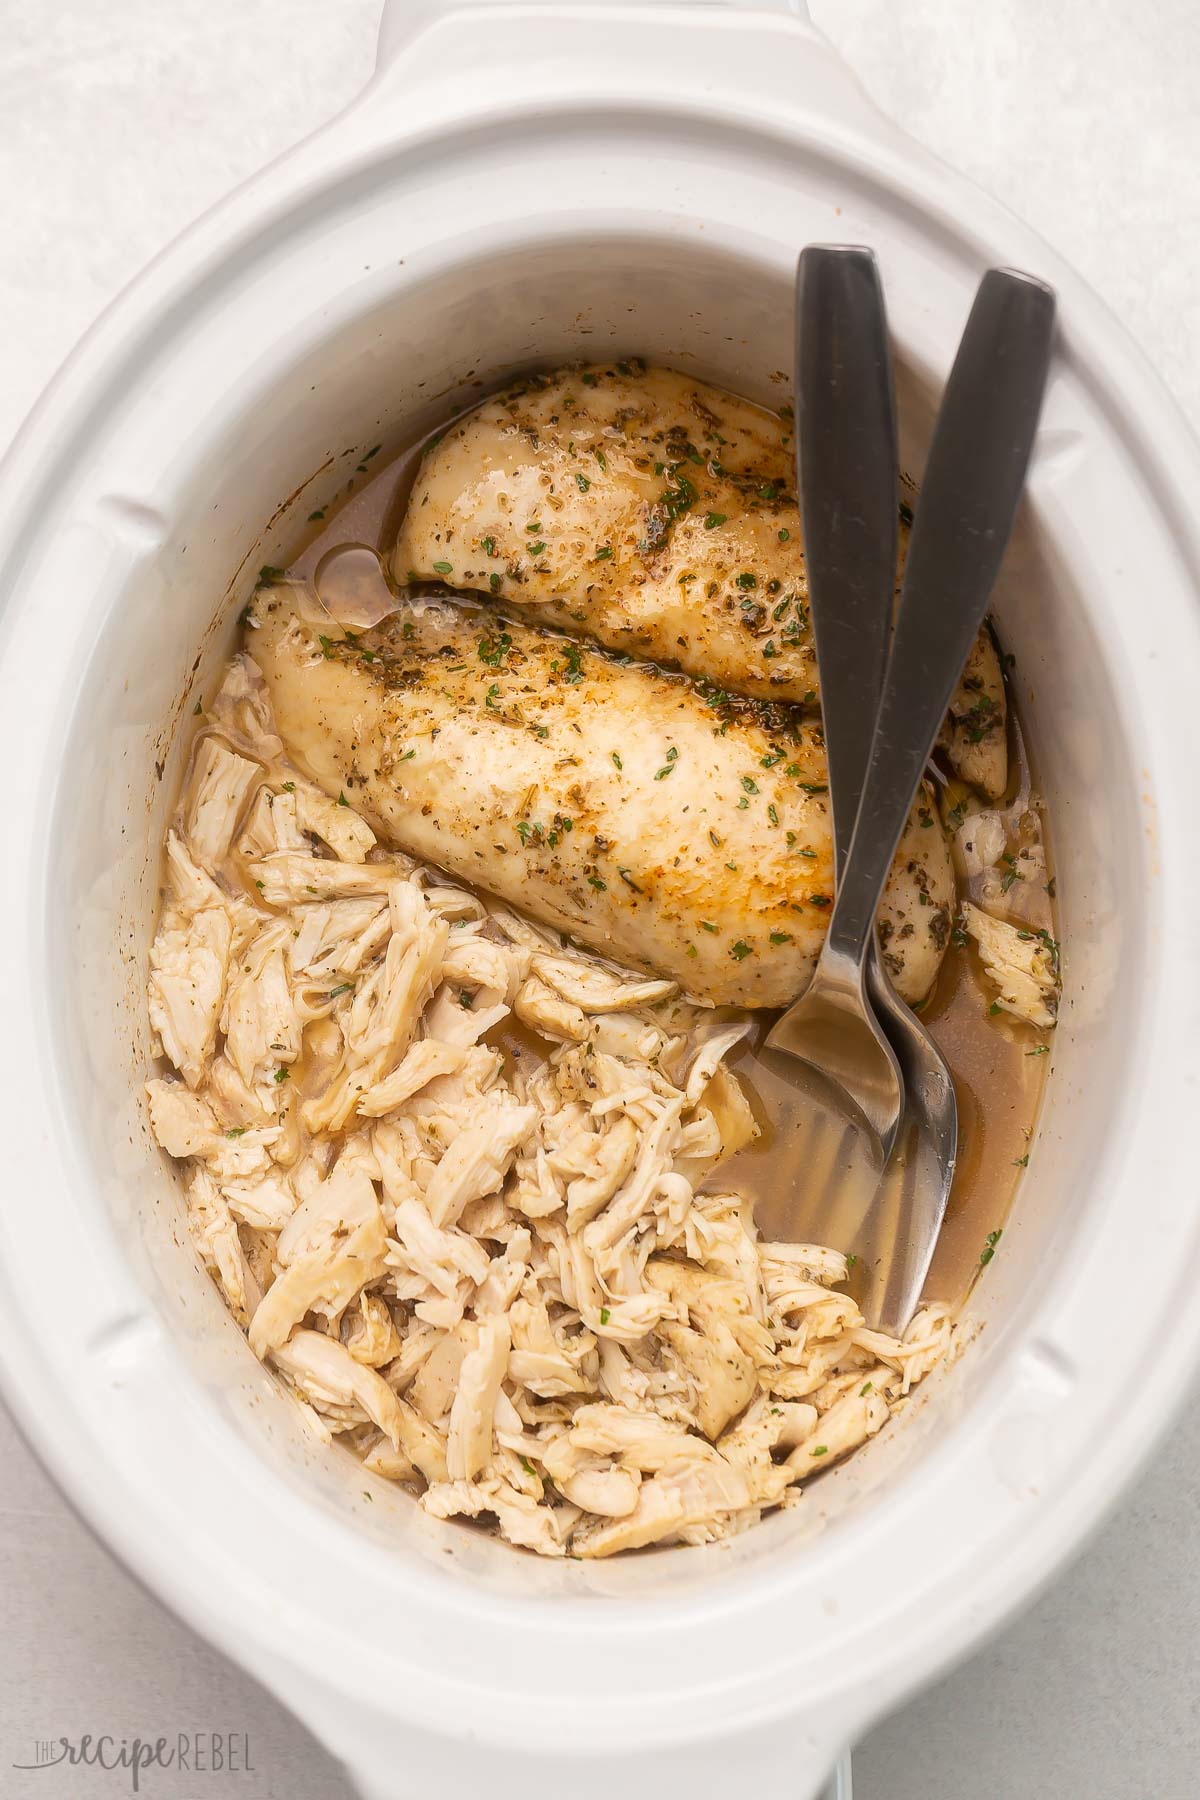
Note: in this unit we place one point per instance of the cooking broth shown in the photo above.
(998, 1079)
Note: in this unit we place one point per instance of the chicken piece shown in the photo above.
(266, 1204)
(186, 1125)
(442, 1259)
(708, 1057)
(182, 1121)
(927, 1341)
(478, 1159)
(848, 1423)
(627, 1035)
(187, 985)
(764, 1427)
(637, 1192)
(270, 824)
(610, 1158)
(789, 1290)
(334, 822)
(1016, 890)
(697, 1489)
(658, 512)
(262, 1030)
(724, 1378)
(436, 1381)
(505, 1277)
(333, 1245)
(547, 1013)
(288, 877)
(623, 1318)
(657, 515)
(461, 1017)
(337, 937)
(612, 1493)
(716, 1340)
(446, 1102)
(725, 1100)
(658, 1513)
(329, 1378)
(382, 1019)
(640, 1440)
(241, 711)
(215, 1236)
(707, 1483)
(218, 787)
(188, 962)
(597, 990)
(420, 1064)
(325, 1374)
(535, 1191)
(980, 840)
(1020, 965)
(590, 1482)
(369, 1332)
(723, 1233)
(613, 802)
(522, 1520)
(975, 734)
(814, 1261)
(391, 1465)
(472, 1414)
(723, 1120)
(537, 1359)
(476, 962)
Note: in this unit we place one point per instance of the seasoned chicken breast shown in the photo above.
(652, 510)
(681, 834)
(658, 515)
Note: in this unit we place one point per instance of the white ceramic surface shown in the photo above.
(138, 516)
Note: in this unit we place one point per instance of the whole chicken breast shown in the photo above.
(658, 515)
(652, 510)
(678, 833)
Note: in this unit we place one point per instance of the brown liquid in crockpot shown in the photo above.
(998, 1082)
(800, 1148)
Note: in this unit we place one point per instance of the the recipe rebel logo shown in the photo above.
(186, 1753)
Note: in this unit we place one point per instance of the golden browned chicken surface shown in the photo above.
(658, 515)
(676, 832)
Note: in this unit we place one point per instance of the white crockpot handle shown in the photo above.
(388, 1760)
(691, 1773)
(446, 60)
(403, 20)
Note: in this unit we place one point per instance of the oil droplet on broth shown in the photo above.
(351, 585)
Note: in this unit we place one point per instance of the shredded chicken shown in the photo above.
(508, 1280)
(1022, 965)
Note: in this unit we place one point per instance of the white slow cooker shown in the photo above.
(527, 183)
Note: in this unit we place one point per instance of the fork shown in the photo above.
(847, 477)
(973, 482)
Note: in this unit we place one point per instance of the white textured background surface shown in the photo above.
(122, 119)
